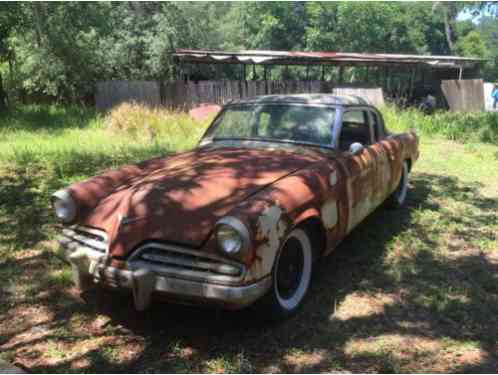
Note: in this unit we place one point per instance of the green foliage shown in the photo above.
(488, 29)
(61, 50)
(68, 143)
(471, 45)
(461, 127)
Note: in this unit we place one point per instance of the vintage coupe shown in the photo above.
(275, 183)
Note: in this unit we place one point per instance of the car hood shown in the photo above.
(180, 198)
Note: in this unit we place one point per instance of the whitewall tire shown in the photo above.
(291, 275)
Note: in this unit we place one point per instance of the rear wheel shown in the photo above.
(398, 197)
(291, 275)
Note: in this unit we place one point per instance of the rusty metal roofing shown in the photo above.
(318, 58)
(324, 99)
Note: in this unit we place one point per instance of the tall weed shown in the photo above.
(177, 129)
(461, 127)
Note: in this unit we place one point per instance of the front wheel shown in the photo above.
(291, 276)
(398, 197)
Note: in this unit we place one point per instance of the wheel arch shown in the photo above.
(409, 162)
(310, 221)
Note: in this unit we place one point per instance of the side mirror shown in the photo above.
(356, 148)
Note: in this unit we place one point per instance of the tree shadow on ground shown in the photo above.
(362, 314)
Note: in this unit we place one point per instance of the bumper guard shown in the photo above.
(89, 268)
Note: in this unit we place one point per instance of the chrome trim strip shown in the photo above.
(201, 265)
(181, 250)
(71, 239)
(202, 276)
(135, 261)
(75, 236)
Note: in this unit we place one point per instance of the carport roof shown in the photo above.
(321, 58)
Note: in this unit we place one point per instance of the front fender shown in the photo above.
(273, 213)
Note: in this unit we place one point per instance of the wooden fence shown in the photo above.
(466, 95)
(111, 93)
(186, 95)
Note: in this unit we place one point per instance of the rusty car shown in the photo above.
(275, 183)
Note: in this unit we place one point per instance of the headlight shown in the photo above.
(64, 206)
(232, 236)
(229, 240)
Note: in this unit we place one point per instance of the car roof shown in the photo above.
(324, 99)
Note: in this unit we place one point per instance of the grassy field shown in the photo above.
(412, 290)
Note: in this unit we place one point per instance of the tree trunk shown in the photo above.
(447, 30)
(3, 96)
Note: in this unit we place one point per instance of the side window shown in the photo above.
(263, 129)
(376, 125)
(355, 128)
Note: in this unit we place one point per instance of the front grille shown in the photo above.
(78, 236)
(187, 263)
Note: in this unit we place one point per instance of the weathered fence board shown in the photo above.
(374, 95)
(184, 96)
(466, 95)
(111, 93)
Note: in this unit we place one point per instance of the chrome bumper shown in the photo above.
(89, 269)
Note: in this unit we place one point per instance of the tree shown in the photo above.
(10, 19)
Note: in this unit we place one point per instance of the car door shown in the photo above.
(383, 155)
(388, 156)
(360, 164)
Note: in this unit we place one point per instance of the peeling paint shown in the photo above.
(272, 228)
(329, 214)
(333, 178)
(361, 210)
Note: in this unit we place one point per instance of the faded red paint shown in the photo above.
(179, 199)
(204, 111)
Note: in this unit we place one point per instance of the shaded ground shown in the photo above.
(413, 290)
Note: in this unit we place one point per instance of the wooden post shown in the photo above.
(377, 78)
(253, 72)
(244, 73)
(218, 71)
(265, 77)
(387, 79)
(341, 74)
(367, 74)
(412, 82)
(307, 72)
(323, 73)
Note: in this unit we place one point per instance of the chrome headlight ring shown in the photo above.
(64, 206)
(232, 236)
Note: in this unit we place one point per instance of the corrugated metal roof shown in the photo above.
(319, 58)
(327, 99)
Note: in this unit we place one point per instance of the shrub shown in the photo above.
(151, 123)
(461, 127)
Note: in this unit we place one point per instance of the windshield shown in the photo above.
(275, 122)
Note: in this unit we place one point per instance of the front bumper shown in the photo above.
(90, 268)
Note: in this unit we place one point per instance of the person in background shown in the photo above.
(494, 95)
